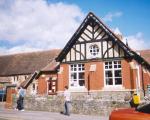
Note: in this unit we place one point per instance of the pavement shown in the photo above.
(10, 114)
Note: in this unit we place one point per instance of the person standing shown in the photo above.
(67, 97)
(20, 101)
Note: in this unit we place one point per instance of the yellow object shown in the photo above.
(136, 99)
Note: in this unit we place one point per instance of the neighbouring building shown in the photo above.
(4, 81)
(18, 68)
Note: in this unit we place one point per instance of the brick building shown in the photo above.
(96, 60)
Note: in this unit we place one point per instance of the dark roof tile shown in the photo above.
(26, 63)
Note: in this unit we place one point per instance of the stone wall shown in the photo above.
(93, 104)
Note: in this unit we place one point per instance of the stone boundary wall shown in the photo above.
(93, 104)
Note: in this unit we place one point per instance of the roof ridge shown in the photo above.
(26, 53)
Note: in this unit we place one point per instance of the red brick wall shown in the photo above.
(96, 78)
(9, 97)
(63, 77)
(42, 83)
(128, 75)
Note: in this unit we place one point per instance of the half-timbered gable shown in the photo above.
(92, 40)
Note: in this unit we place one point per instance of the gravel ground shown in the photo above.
(9, 114)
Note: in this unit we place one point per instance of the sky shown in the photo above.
(35, 25)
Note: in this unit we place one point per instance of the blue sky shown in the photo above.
(135, 13)
(29, 25)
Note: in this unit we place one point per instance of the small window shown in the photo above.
(94, 50)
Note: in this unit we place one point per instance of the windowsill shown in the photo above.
(78, 89)
(113, 88)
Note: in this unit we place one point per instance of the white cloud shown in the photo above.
(137, 42)
(36, 25)
(109, 17)
(17, 49)
(117, 31)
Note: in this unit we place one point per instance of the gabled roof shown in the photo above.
(91, 17)
(26, 63)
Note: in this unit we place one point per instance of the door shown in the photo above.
(52, 86)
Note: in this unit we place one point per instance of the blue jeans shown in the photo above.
(20, 104)
(67, 108)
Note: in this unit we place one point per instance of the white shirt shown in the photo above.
(21, 92)
(67, 95)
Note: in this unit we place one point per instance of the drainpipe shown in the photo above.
(88, 84)
(138, 80)
(143, 86)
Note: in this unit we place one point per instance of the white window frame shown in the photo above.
(77, 71)
(92, 48)
(113, 74)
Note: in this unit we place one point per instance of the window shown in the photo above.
(77, 75)
(113, 73)
(94, 50)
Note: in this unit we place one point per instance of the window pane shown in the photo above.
(81, 75)
(115, 66)
(74, 83)
(119, 66)
(79, 68)
(106, 67)
(75, 65)
(109, 81)
(108, 73)
(73, 76)
(117, 73)
(119, 62)
(81, 83)
(118, 81)
(110, 66)
(115, 62)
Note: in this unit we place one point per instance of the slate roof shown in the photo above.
(145, 54)
(26, 63)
